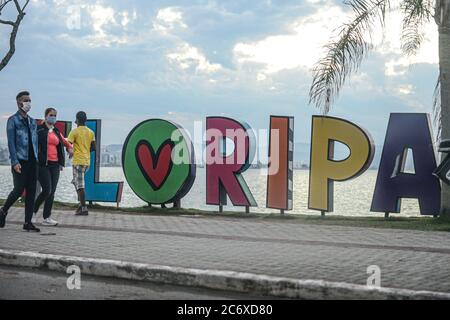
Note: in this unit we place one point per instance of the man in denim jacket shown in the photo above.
(23, 151)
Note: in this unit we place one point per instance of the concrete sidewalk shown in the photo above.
(413, 260)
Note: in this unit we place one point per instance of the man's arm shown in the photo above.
(11, 134)
(93, 146)
(93, 143)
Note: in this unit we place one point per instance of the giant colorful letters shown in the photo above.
(159, 163)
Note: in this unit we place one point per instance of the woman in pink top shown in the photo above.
(51, 157)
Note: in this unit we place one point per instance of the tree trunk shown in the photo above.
(442, 16)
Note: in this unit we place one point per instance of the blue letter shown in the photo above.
(95, 190)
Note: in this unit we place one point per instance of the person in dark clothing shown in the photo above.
(21, 132)
(51, 159)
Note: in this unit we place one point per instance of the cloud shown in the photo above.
(102, 17)
(87, 24)
(298, 48)
(184, 55)
(389, 45)
(302, 43)
(189, 57)
(168, 19)
(405, 89)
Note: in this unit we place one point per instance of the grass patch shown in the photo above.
(424, 223)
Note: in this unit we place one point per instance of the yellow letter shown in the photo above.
(323, 169)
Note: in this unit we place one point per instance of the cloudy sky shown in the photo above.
(128, 61)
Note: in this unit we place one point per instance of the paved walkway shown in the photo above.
(408, 259)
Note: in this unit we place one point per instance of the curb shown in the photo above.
(213, 279)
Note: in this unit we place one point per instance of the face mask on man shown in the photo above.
(26, 106)
(51, 120)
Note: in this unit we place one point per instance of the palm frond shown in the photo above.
(416, 13)
(345, 55)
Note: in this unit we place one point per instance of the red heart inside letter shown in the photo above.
(155, 167)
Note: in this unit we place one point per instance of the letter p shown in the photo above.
(324, 170)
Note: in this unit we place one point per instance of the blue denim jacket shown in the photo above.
(17, 132)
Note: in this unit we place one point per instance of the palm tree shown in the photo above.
(15, 27)
(345, 54)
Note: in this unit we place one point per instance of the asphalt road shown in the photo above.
(30, 284)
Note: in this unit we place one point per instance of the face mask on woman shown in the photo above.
(51, 120)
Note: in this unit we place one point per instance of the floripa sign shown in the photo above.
(158, 161)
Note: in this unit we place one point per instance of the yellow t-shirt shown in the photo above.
(81, 138)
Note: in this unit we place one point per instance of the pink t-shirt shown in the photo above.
(52, 148)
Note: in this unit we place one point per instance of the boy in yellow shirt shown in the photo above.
(83, 140)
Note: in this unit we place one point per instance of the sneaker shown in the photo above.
(49, 222)
(83, 212)
(78, 211)
(34, 220)
(30, 227)
(2, 218)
